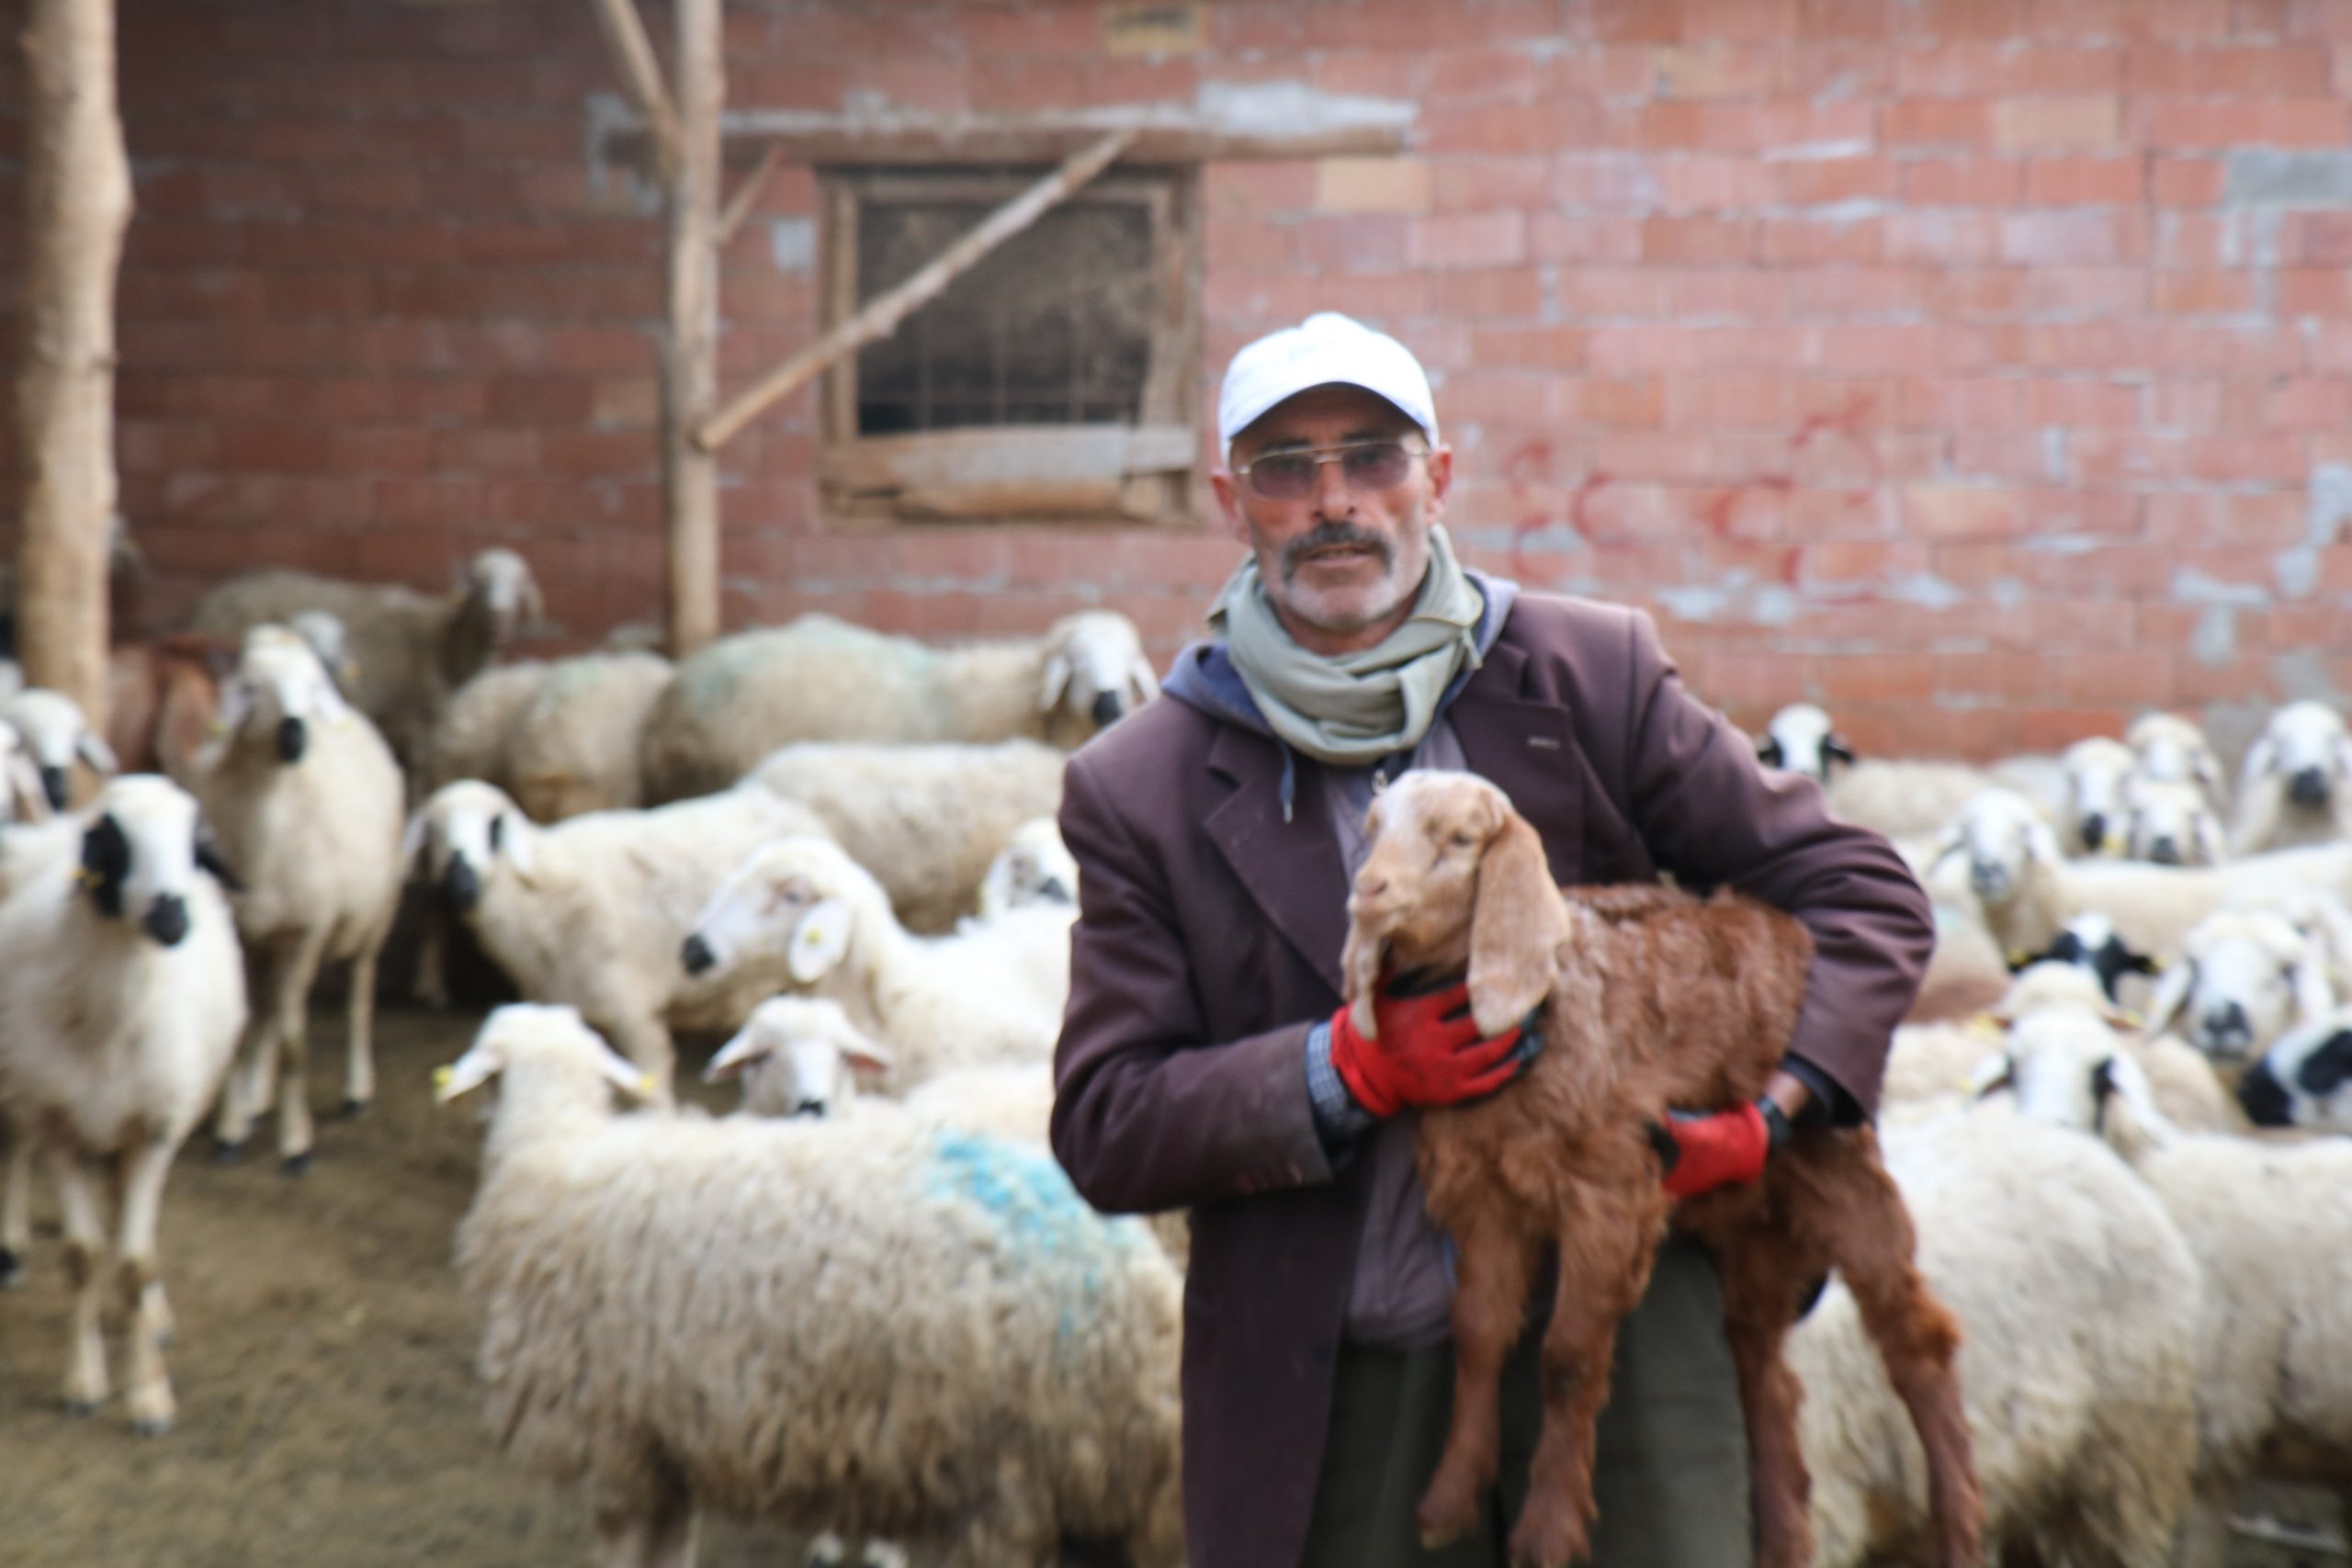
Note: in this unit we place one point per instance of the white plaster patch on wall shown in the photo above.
(2297, 570)
(2330, 506)
(2063, 544)
(2053, 454)
(2007, 592)
(2303, 678)
(792, 243)
(2216, 641)
(1775, 605)
(1294, 108)
(2193, 587)
(1926, 590)
(1698, 604)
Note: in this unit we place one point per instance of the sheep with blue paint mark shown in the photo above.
(867, 1324)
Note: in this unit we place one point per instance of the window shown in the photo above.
(1055, 380)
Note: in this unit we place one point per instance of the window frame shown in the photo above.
(1061, 475)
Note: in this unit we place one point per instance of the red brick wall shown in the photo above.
(1981, 368)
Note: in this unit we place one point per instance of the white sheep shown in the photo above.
(1900, 799)
(590, 911)
(2170, 823)
(306, 799)
(2266, 1224)
(687, 1313)
(2168, 746)
(935, 1003)
(1033, 867)
(2092, 817)
(119, 1007)
(821, 679)
(2245, 976)
(575, 742)
(2027, 891)
(2078, 1304)
(476, 726)
(2296, 785)
(1800, 739)
(925, 820)
(57, 735)
(408, 650)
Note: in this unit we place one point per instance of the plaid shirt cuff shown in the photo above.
(1338, 1118)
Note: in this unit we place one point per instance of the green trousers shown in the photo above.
(1671, 1471)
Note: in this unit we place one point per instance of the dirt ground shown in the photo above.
(328, 1413)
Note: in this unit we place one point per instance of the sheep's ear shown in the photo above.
(751, 1045)
(2209, 773)
(2042, 844)
(208, 857)
(24, 780)
(511, 838)
(1767, 751)
(2209, 841)
(1517, 924)
(471, 1071)
(625, 1075)
(535, 603)
(2261, 758)
(92, 748)
(1144, 679)
(866, 1055)
(820, 941)
(2172, 995)
(1055, 682)
(2342, 752)
(2122, 1077)
(2314, 998)
(1990, 1076)
(1835, 749)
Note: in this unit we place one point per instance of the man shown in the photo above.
(1205, 1061)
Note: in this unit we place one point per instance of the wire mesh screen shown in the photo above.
(1053, 327)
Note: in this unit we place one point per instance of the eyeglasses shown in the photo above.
(1365, 465)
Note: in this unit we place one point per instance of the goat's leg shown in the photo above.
(16, 1208)
(86, 1357)
(234, 1122)
(1761, 1282)
(290, 1001)
(1867, 1233)
(1607, 1248)
(1496, 1264)
(647, 1528)
(430, 985)
(145, 1166)
(359, 1053)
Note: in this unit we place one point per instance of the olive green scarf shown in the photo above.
(1352, 710)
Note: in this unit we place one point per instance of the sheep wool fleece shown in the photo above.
(1208, 944)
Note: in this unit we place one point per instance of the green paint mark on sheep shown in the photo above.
(1028, 1196)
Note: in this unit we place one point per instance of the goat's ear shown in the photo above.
(1516, 927)
(1835, 749)
(92, 748)
(820, 941)
(2172, 995)
(1990, 1076)
(1361, 957)
(1767, 751)
(1055, 682)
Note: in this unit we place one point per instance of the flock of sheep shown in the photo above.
(871, 1305)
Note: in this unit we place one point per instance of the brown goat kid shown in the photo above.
(1650, 1000)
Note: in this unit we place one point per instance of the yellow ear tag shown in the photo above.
(1984, 1026)
(2020, 958)
(2132, 1020)
(442, 1077)
(646, 1086)
(217, 729)
(83, 877)
(2160, 965)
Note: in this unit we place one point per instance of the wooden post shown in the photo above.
(690, 373)
(77, 203)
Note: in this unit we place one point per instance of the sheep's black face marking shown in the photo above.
(814, 1109)
(2110, 959)
(1836, 751)
(2325, 1070)
(2307, 788)
(208, 857)
(293, 740)
(697, 955)
(497, 832)
(106, 860)
(2264, 1098)
(1768, 752)
(460, 887)
(1107, 710)
(1053, 892)
(56, 787)
(2095, 831)
(167, 920)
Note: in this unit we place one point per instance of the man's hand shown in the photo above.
(1429, 1052)
(1701, 1151)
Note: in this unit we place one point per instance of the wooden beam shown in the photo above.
(690, 379)
(881, 316)
(747, 194)
(999, 454)
(641, 75)
(1235, 126)
(77, 204)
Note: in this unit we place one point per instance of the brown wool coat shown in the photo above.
(1208, 943)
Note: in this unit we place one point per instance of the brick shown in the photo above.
(1714, 71)
(1479, 185)
(2077, 403)
(2309, 403)
(1668, 241)
(1354, 245)
(1489, 292)
(1783, 128)
(2061, 239)
(1974, 71)
(1796, 243)
(1469, 240)
(1920, 123)
(2036, 125)
(1950, 511)
(1966, 403)
(2098, 182)
(2314, 291)
(2202, 293)
(1550, 348)
(1741, 294)
(1716, 183)
(1373, 185)
(2247, 71)
(2317, 239)
(1600, 291)
(2227, 123)
(1943, 237)
(1609, 239)
(1846, 292)
(1963, 181)
(1509, 129)
(1809, 182)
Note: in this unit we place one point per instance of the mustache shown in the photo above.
(1327, 535)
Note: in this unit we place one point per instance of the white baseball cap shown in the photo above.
(1323, 349)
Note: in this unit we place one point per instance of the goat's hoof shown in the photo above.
(151, 1417)
(77, 1405)
(297, 1166)
(226, 1153)
(352, 1110)
(1446, 1515)
(12, 1269)
(1543, 1541)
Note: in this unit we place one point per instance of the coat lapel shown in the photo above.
(1291, 869)
(1528, 750)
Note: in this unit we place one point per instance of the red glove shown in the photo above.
(1701, 1151)
(1429, 1052)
